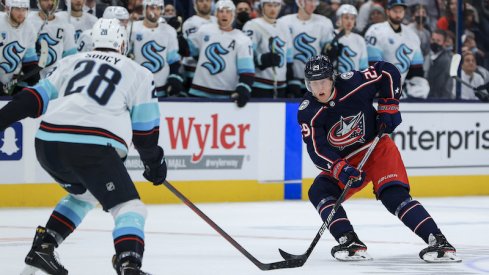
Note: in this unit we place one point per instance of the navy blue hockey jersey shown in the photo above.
(346, 124)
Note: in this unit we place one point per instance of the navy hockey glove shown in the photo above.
(241, 96)
(482, 92)
(155, 171)
(268, 60)
(343, 172)
(388, 114)
(175, 85)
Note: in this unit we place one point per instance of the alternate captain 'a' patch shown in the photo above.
(304, 105)
(347, 131)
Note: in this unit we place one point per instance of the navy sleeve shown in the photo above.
(389, 85)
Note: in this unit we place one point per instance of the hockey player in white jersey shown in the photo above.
(190, 27)
(84, 43)
(155, 47)
(310, 33)
(57, 32)
(347, 50)
(225, 68)
(272, 46)
(396, 43)
(104, 102)
(80, 20)
(17, 47)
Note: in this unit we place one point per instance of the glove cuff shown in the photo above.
(388, 106)
(337, 168)
(176, 77)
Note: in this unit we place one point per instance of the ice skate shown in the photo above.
(350, 249)
(42, 257)
(127, 267)
(439, 250)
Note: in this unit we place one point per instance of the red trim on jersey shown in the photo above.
(314, 138)
(419, 224)
(359, 87)
(140, 133)
(39, 100)
(86, 131)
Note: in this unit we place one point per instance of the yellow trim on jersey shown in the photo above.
(48, 195)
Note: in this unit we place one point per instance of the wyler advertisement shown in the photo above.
(212, 141)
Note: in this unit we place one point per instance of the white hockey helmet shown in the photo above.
(9, 4)
(225, 4)
(116, 12)
(346, 9)
(159, 3)
(109, 34)
(270, 1)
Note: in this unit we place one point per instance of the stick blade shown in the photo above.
(288, 256)
(454, 64)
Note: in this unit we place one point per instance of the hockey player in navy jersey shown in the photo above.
(339, 122)
(104, 102)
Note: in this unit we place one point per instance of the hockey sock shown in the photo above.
(398, 201)
(67, 215)
(128, 232)
(340, 224)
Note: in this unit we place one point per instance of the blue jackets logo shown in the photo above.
(11, 142)
(347, 131)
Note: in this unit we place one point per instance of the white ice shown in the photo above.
(178, 242)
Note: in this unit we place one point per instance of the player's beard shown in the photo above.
(151, 17)
(396, 21)
(204, 12)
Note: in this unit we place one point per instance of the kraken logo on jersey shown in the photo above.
(345, 61)
(11, 54)
(216, 63)
(155, 61)
(302, 45)
(402, 55)
(347, 131)
(52, 56)
(277, 46)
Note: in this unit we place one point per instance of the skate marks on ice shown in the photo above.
(472, 263)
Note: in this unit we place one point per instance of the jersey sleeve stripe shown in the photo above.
(39, 101)
(146, 133)
(145, 126)
(391, 85)
(245, 65)
(145, 112)
(173, 57)
(360, 87)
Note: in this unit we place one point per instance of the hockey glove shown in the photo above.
(155, 171)
(241, 96)
(294, 89)
(343, 172)
(388, 114)
(482, 92)
(174, 85)
(268, 60)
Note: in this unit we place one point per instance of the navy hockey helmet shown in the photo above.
(317, 68)
(393, 3)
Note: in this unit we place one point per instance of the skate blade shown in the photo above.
(448, 257)
(29, 270)
(361, 255)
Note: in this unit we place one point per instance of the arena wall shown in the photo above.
(219, 153)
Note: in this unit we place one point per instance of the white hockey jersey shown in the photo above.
(80, 24)
(399, 48)
(308, 38)
(59, 35)
(100, 98)
(223, 56)
(189, 28)
(354, 54)
(17, 47)
(84, 42)
(155, 49)
(268, 38)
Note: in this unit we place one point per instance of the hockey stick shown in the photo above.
(263, 266)
(454, 64)
(303, 258)
(41, 64)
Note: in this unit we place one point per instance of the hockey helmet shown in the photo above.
(317, 68)
(393, 3)
(109, 34)
(270, 1)
(346, 9)
(116, 12)
(225, 4)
